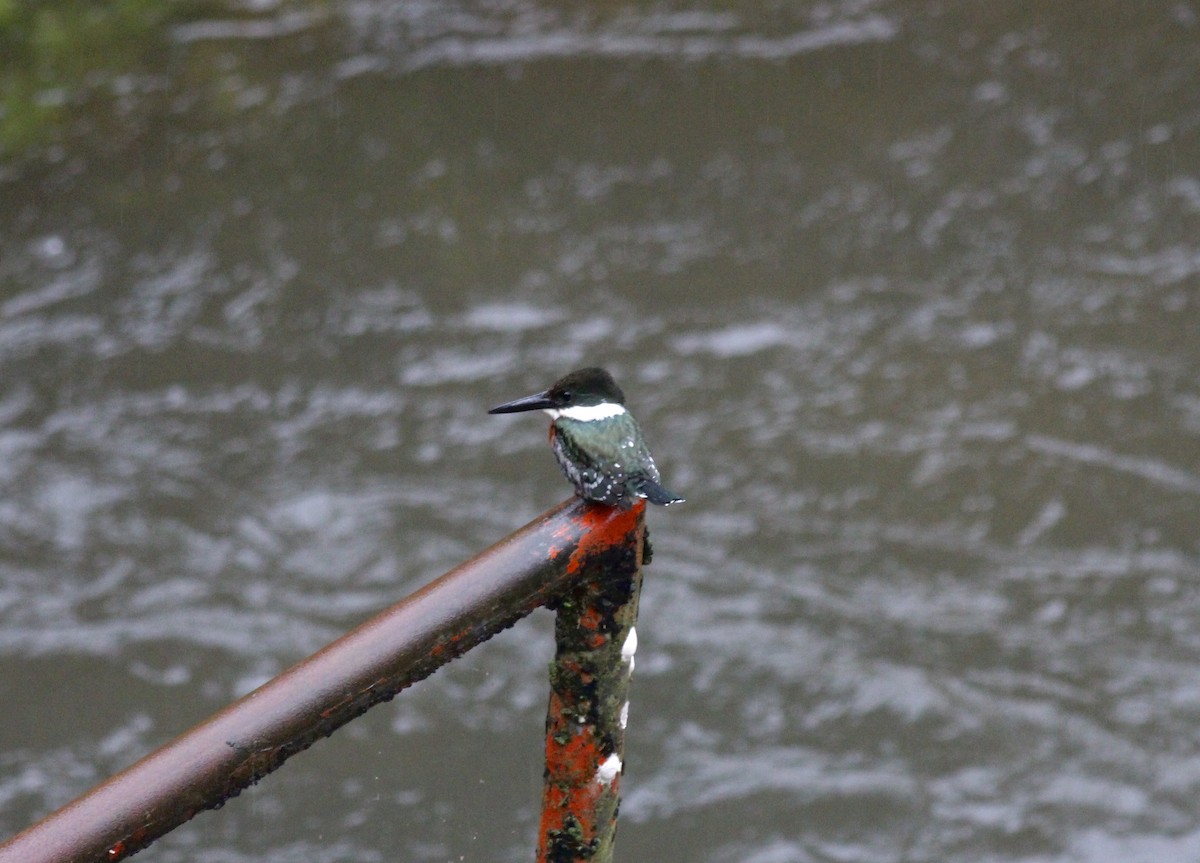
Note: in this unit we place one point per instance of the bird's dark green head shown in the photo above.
(586, 387)
(580, 389)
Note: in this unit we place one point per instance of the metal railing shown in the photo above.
(584, 560)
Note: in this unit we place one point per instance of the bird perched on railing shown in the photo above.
(597, 442)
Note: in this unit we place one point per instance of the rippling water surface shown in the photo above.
(906, 297)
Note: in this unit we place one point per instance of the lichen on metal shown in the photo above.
(588, 709)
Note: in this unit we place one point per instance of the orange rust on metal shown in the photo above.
(605, 531)
(589, 686)
(569, 823)
(213, 762)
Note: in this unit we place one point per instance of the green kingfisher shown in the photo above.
(597, 442)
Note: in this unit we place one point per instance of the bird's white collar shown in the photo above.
(587, 413)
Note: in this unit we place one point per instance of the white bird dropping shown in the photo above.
(609, 769)
(629, 648)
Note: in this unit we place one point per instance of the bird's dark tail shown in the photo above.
(653, 492)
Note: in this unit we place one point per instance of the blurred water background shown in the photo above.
(905, 295)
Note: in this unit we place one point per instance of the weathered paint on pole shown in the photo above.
(218, 758)
(596, 637)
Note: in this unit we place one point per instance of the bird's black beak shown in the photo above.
(535, 402)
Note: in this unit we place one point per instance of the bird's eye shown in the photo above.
(564, 396)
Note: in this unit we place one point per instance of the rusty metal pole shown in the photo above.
(218, 758)
(596, 637)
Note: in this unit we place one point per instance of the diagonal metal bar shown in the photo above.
(252, 737)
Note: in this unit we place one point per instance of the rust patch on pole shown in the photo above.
(595, 639)
(218, 758)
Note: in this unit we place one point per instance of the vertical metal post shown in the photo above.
(595, 639)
